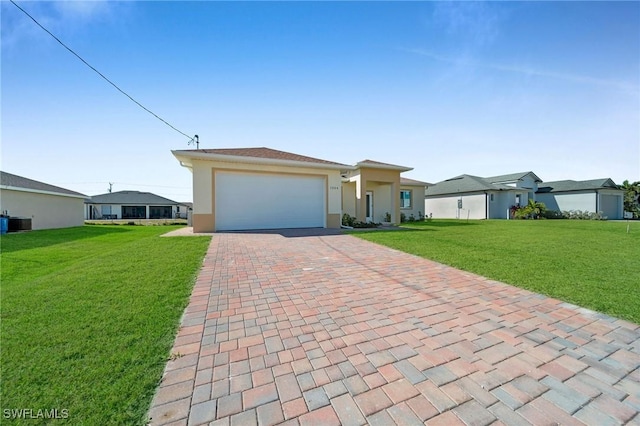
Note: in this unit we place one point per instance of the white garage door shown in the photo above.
(268, 201)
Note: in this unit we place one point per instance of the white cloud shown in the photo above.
(530, 71)
(60, 17)
(477, 22)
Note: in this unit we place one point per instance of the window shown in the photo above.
(134, 212)
(159, 212)
(405, 199)
(517, 199)
(105, 210)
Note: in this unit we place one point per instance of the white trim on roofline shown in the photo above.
(365, 165)
(39, 191)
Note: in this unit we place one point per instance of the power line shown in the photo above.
(119, 183)
(191, 138)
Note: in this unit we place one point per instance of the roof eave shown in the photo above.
(362, 165)
(185, 156)
(40, 191)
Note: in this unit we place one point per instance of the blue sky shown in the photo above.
(444, 87)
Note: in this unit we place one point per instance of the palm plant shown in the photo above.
(532, 210)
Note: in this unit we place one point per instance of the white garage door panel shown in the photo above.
(261, 201)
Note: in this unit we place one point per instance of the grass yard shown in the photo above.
(592, 264)
(89, 315)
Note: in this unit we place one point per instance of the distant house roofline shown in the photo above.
(130, 198)
(13, 182)
(577, 185)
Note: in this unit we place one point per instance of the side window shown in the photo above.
(405, 199)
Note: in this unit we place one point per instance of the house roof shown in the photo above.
(512, 177)
(466, 183)
(263, 153)
(576, 185)
(380, 165)
(8, 180)
(130, 197)
(412, 182)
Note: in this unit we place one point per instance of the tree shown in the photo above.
(532, 210)
(631, 194)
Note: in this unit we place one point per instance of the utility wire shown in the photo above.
(191, 138)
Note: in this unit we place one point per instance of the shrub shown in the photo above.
(403, 217)
(348, 220)
(387, 217)
(552, 214)
(583, 215)
(358, 224)
(533, 210)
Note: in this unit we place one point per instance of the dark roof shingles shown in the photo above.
(576, 185)
(8, 179)
(131, 197)
(268, 153)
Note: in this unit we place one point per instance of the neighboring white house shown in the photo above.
(474, 197)
(132, 205)
(47, 206)
(492, 197)
(263, 188)
(597, 195)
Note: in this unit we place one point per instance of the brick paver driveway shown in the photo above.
(334, 330)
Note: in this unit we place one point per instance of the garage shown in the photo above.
(246, 201)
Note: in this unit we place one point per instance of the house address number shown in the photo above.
(334, 187)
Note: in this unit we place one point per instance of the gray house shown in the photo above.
(597, 195)
(475, 197)
(47, 206)
(132, 205)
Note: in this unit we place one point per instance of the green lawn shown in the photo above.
(89, 315)
(593, 264)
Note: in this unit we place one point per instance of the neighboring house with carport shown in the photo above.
(47, 206)
(597, 195)
(475, 197)
(263, 188)
(131, 205)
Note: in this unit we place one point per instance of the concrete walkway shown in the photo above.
(328, 330)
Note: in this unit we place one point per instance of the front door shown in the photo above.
(369, 206)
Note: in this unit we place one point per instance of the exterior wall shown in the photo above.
(474, 206)
(349, 198)
(585, 201)
(529, 183)
(46, 211)
(373, 179)
(382, 200)
(417, 201)
(611, 204)
(204, 185)
(502, 201)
